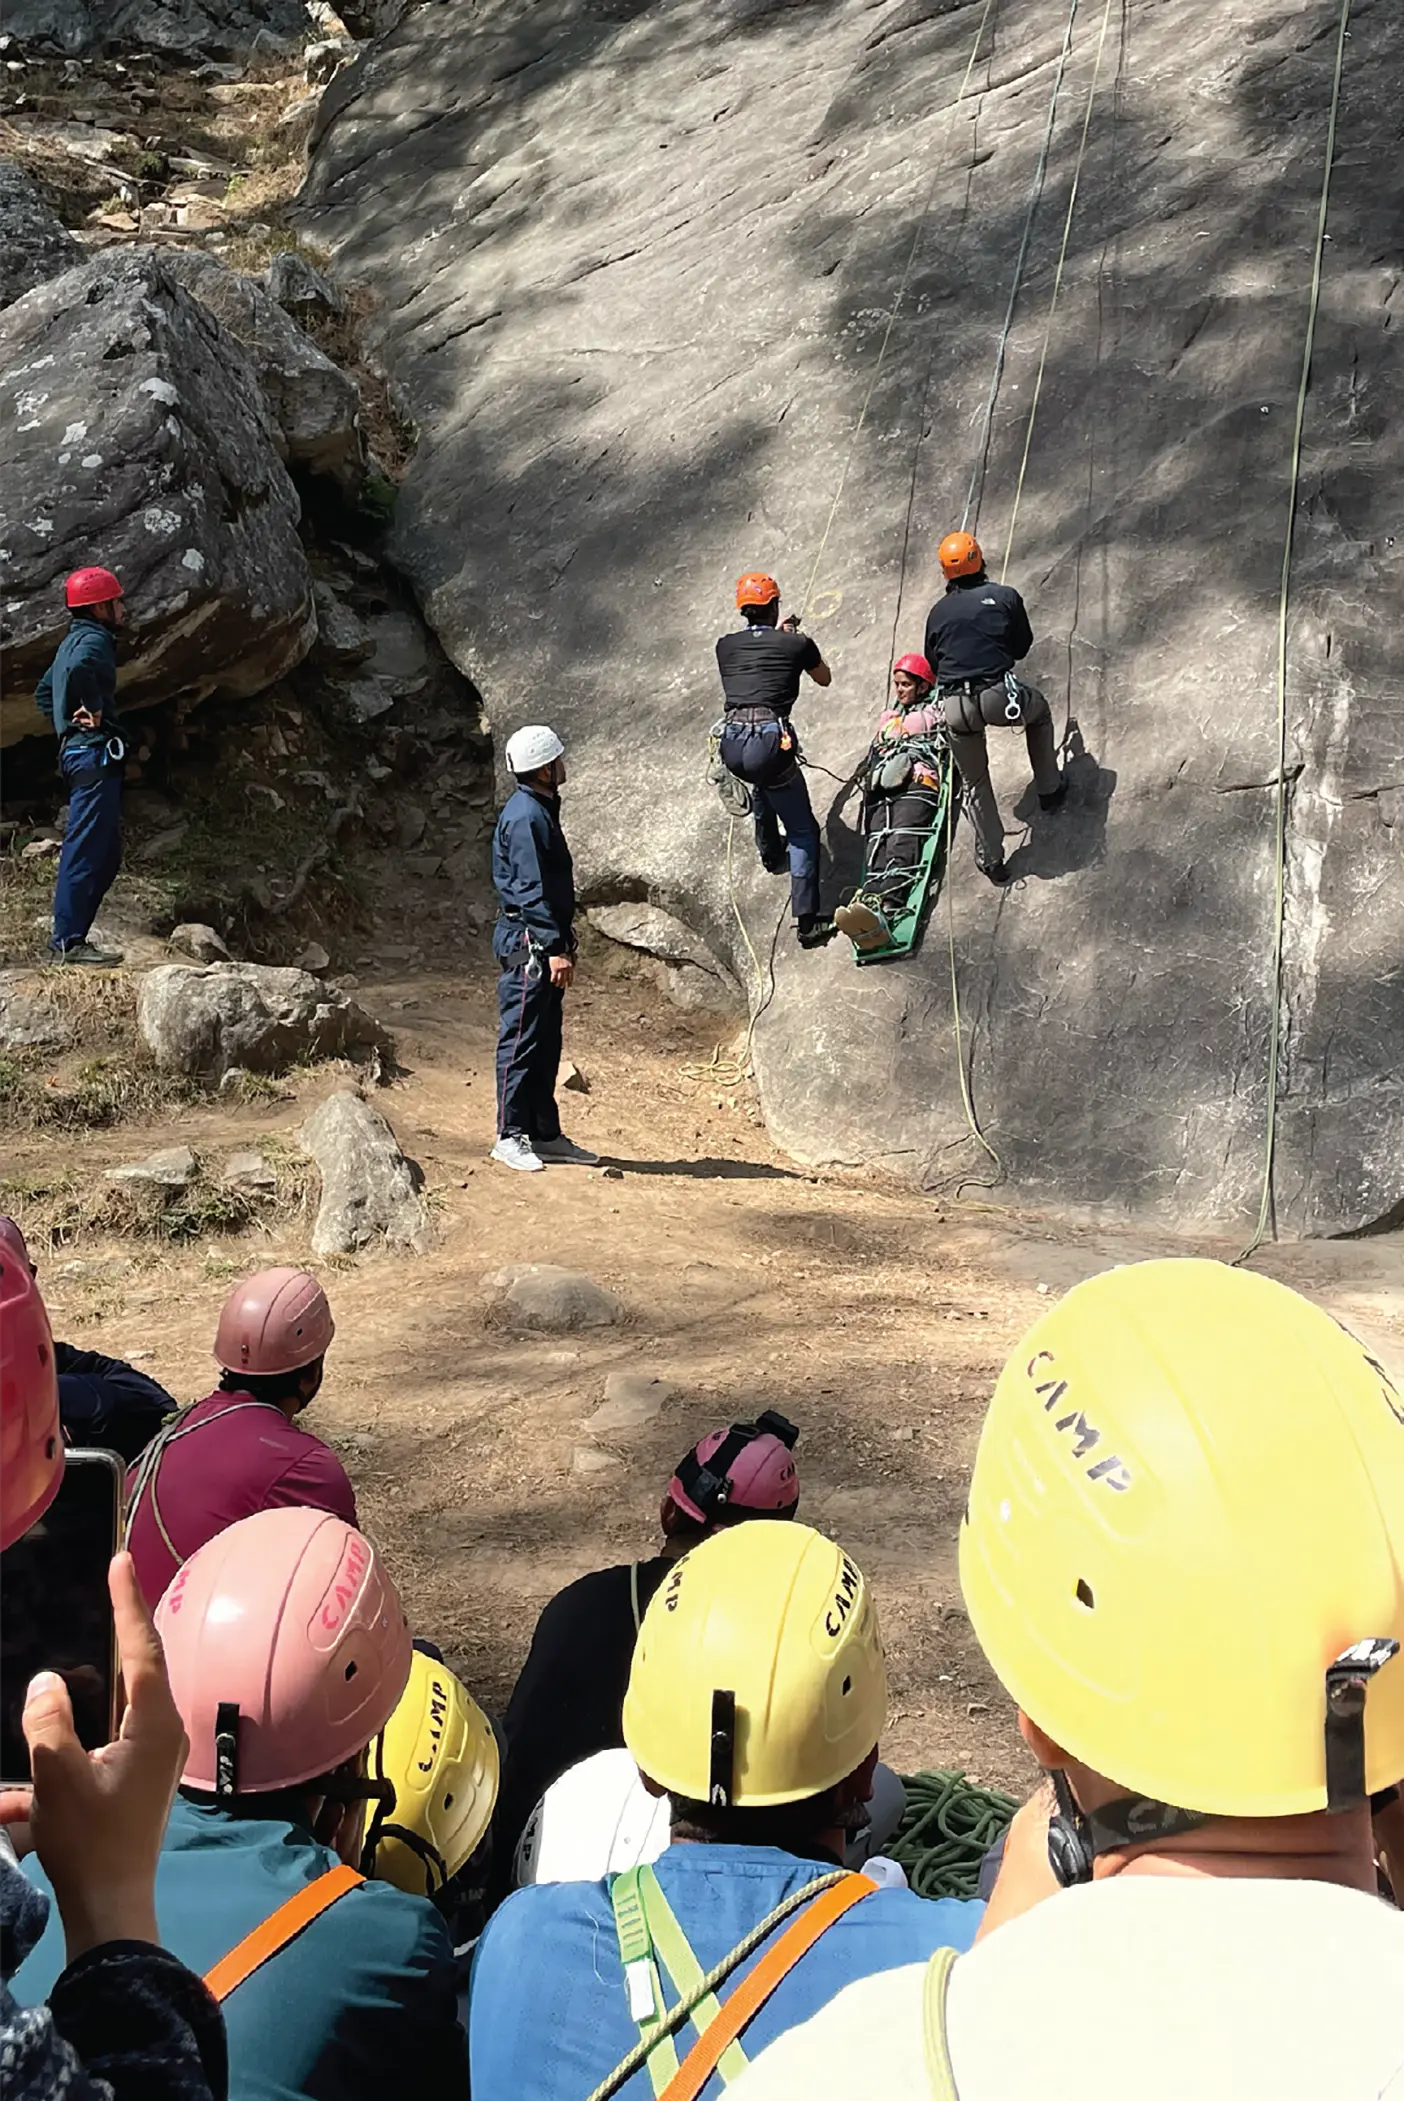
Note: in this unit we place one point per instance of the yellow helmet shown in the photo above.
(1187, 1508)
(440, 1756)
(758, 1675)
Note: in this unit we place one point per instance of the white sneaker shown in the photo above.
(517, 1152)
(564, 1152)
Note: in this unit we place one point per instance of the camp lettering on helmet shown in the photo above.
(1052, 1390)
(849, 1585)
(175, 1596)
(348, 1580)
(438, 1709)
(672, 1588)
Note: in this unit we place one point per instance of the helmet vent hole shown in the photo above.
(848, 1685)
(448, 1801)
(351, 1670)
(1084, 1595)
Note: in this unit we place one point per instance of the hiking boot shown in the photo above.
(1056, 800)
(85, 952)
(998, 874)
(812, 930)
(776, 864)
(864, 924)
(564, 1152)
(516, 1151)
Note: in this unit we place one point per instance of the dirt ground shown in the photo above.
(873, 1317)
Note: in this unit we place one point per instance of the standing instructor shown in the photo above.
(534, 943)
(78, 694)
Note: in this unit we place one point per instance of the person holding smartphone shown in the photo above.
(124, 2020)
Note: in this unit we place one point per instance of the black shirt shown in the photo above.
(978, 630)
(760, 666)
(567, 1703)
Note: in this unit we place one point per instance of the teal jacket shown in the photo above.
(360, 2003)
(82, 675)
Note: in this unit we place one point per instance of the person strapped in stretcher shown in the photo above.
(903, 799)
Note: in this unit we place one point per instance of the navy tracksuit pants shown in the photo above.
(92, 846)
(754, 753)
(530, 1008)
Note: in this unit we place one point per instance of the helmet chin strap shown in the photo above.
(1078, 1837)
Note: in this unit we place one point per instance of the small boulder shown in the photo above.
(370, 1190)
(175, 1168)
(204, 1020)
(249, 1171)
(574, 1078)
(541, 1297)
(589, 1459)
(313, 958)
(29, 1021)
(192, 938)
(34, 243)
(342, 638)
(299, 289)
(631, 1399)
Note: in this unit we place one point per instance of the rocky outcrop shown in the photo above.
(176, 28)
(650, 279)
(541, 1296)
(29, 1019)
(252, 1015)
(316, 409)
(35, 245)
(134, 431)
(371, 1193)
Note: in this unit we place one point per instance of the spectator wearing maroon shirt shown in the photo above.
(241, 1450)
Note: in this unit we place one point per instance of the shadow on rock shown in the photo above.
(1063, 842)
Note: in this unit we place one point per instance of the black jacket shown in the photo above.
(979, 630)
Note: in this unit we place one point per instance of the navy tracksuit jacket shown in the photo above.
(535, 883)
(84, 675)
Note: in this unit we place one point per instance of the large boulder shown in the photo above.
(316, 408)
(35, 245)
(645, 326)
(176, 28)
(135, 434)
(205, 1021)
(371, 1193)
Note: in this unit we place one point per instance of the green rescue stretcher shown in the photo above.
(902, 895)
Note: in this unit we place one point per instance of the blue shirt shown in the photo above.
(346, 2012)
(82, 675)
(548, 2014)
(533, 876)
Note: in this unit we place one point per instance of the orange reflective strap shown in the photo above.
(753, 1991)
(274, 1934)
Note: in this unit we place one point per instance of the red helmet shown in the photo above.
(959, 555)
(31, 1443)
(746, 1471)
(275, 1322)
(756, 588)
(91, 587)
(916, 667)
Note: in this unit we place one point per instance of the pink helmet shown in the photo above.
(746, 1471)
(31, 1442)
(274, 1322)
(287, 1650)
(917, 667)
(91, 587)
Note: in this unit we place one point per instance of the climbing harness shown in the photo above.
(1265, 1206)
(273, 1934)
(821, 1903)
(949, 1826)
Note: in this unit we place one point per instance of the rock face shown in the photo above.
(174, 1168)
(540, 1296)
(205, 1021)
(315, 407)
(35, 245)
(178, 28)
(29, 1020)
(134, 431)
(370, 1191)
(651, 277)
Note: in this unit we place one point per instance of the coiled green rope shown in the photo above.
(949, 1827)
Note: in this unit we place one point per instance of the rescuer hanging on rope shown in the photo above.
(760, 666)
(975, 635)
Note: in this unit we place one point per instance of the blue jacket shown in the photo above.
(82, 675)
(548, 2017)
(105, 1402)
(362, 2001)
(533, 875)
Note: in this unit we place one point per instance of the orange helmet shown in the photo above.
(959, 555)
(756, 588)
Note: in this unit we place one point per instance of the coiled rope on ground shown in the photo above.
(949, 1826)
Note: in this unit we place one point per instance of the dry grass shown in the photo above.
(58, 1210)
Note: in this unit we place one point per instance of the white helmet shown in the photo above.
(597, 1819)
(534, 746)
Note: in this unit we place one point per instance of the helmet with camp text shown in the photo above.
(758, 1676)
(439, 1755)
(287, 1650)
(1183, 1549)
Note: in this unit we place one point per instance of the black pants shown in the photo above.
(898, 827)
(528, 1050)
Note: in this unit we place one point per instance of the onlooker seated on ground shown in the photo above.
(288, 1652)
(124, 2021)
(901, 804)
(756, 1699)
(102, 1401)
(1184, 1556)
(241, 1449)
(567, 1703)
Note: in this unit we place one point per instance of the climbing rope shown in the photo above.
(1265, 1207)
(949, 1826)
(723, 1070)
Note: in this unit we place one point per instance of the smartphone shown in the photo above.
(55, 1613)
